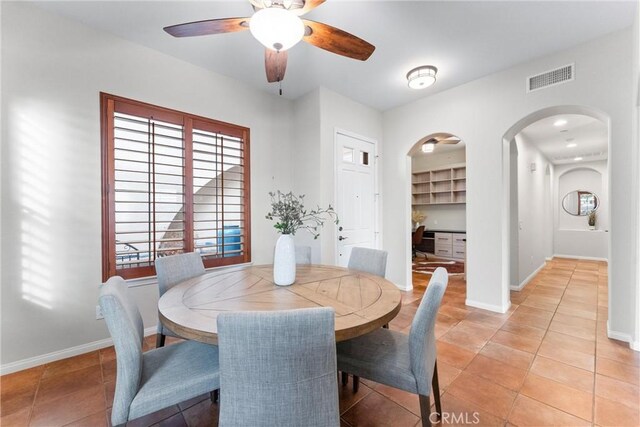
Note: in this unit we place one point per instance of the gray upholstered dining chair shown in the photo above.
(373, 261)
(303, 255)
(407, 362)
(157, 379)
(172, 270)
(278, 368)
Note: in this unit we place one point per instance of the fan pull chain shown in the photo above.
(279, 76)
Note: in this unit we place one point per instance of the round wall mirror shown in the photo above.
(580, 203)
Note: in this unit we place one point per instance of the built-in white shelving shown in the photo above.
(443, 186)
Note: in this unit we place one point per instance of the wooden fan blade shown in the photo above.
(308, 6)
(276, 64)
(210, 26)
(441, 135)
(337, 41)
(449, 141)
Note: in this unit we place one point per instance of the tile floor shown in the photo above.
(545, 362)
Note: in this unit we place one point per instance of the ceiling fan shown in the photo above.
(429, 144)
(278, 26)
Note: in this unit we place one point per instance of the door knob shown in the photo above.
(342, 238)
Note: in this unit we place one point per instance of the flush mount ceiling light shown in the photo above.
(422, 77)
(577, 159)
(429, 146)
(277, 29)
(560, 122)
(572, 145)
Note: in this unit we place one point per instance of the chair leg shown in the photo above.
(345, 378)
(425, 410)
(160, 340)
(356, 383)
(214, 395)
(436, 390)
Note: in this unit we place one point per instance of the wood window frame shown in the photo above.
(109, 104)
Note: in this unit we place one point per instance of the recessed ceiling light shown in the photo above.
(577, 159)
(572, 145)
(560, 122)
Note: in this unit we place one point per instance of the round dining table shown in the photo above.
(362, 302)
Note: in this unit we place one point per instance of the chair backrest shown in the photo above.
(422, 340)
(278, 368)
(174, 269)
(126, 328)
(373, 261)
(417, 235)
(303, 254)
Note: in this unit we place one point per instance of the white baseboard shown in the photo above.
(620, 336)
(407, 287)
(586, 258)
(31, 362)
(527, 279)
(490, 307)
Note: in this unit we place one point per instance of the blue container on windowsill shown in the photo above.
(229, 234)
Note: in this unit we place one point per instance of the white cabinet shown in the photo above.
(450, 245)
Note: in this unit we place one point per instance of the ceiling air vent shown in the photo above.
(551, 78)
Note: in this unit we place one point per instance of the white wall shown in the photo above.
(318, 115)
(636, 123)
(572, 235)
(339, 112)
(535, 216)
(443, 217)
(306, 159)
(51, 190)
(480, 113)
(425, 161)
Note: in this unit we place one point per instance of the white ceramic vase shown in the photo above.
(284, 261)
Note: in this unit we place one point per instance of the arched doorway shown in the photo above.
(514, 275)
(437, 194)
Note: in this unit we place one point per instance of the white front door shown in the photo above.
(355, 195)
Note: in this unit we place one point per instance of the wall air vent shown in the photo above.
(551, 78)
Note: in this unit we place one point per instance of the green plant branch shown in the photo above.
(290, 214)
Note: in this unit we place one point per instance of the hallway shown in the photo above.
(547, 361)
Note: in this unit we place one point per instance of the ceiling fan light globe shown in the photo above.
(276, 28)
(428, 147)
(422, 77)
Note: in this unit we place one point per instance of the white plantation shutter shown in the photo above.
(173, 183)
(218, 194)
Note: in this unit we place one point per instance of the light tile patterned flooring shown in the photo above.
(545, 362)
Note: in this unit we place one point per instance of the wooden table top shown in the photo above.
(363, 302)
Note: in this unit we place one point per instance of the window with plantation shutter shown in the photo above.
(172, 183)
